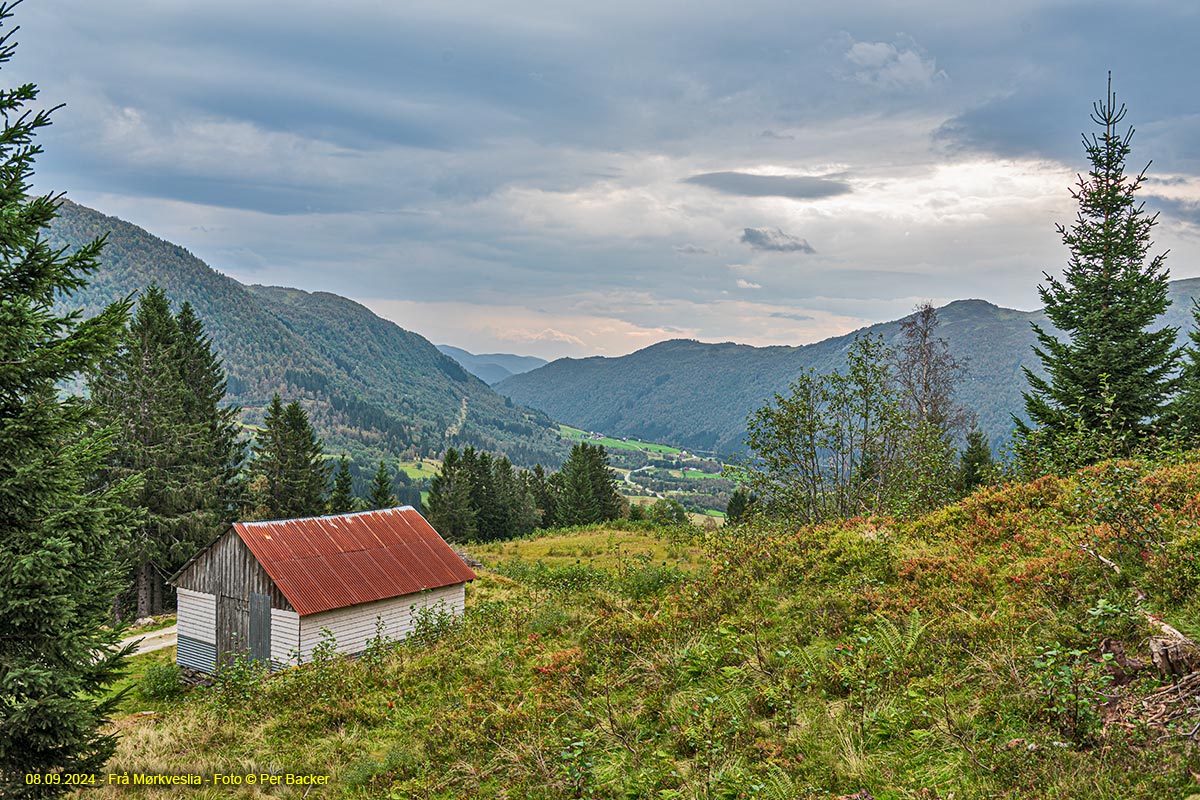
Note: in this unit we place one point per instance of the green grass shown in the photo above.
(692, 474)
(601, 548)
(680, 474)
(425, 468)
(952, 655)
(160, 622)
(133, 701)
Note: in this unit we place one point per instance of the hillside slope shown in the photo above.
(961, 654)
(370, 387)
(697, 395)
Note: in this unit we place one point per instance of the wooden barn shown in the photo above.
(269, 588)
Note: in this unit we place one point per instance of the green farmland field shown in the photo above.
(567, 432)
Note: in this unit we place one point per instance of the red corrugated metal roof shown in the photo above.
(321, 563)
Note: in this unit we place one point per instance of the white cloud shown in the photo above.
(744, 284)
(525, 336)
(901, 64)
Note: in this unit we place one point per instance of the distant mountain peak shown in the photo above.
(492, 367)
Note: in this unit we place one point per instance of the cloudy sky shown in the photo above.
(559, 178)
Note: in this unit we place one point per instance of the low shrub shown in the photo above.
(162, 681)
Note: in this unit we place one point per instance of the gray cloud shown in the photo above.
(533, 155)
(794, 187)
(1186, 211)
(1028, 122)
(775, 241)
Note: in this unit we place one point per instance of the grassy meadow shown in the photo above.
(609, 443)
(423, 468)
(961, 654)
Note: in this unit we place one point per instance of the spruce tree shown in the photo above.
(381, 495)
(164, 390)
(341, 499)
(505, 496)
(489, 516)
(577, 503)
(1112, 375)
(59, 530)
(1186, 406)
(740, 505)
(222, 450)
(544, 497)
(289, 474)
(975, 465)
(604, 483)
(587, 491)
(139, 391)
(448, 507)
(525, 514)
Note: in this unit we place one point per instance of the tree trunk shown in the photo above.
(144, 577)
(156, 593)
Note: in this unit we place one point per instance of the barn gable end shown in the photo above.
(219, 592)
(227, 567)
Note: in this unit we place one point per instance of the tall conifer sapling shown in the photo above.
(59, 530)
(341, 499)
(381, 495)
(1113, 374)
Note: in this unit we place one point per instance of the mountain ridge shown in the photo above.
(697, 394)
(370, 387)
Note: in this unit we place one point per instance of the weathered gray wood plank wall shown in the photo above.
(229, 568)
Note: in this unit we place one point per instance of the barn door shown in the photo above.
(233, 627)
(260, 627)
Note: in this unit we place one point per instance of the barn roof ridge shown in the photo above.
(324, 516)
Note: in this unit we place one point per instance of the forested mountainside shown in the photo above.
(492, 367)
(371, 388)
(697, 395)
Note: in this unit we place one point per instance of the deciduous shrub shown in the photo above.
(161, 681)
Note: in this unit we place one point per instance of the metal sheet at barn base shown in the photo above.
(196, 654)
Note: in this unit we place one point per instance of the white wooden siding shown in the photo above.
(197, 615)
(354, 625)
(285, 637)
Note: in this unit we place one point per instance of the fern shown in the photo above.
(809, 665)
(898, 644)
(778, 785)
